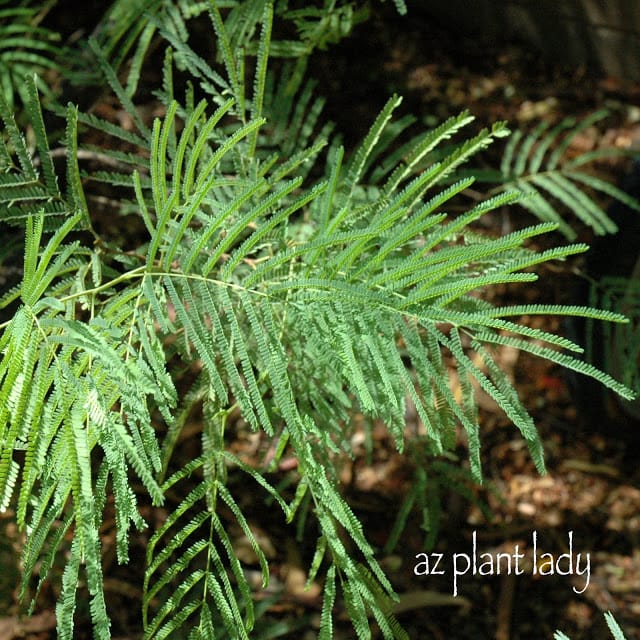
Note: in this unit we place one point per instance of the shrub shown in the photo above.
(273, 278)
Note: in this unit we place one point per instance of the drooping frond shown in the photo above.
(62, 383)
(28, 182)
(294, 302)
(535, 164)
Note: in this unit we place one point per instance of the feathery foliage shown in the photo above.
(536, 165)
(25, 48)
(614, 627)
(296, 283)
(129, 28)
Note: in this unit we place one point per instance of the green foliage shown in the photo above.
(614, 627)
(621, 345)
(298, 285)
(130, 26)
(535, 164)
(25, 47)
(432, 483)
(29, 183)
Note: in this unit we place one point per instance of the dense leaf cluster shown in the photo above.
(296, 283)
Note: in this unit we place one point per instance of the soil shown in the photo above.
(586, 507)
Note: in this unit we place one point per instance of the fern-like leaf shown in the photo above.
(535, 164)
